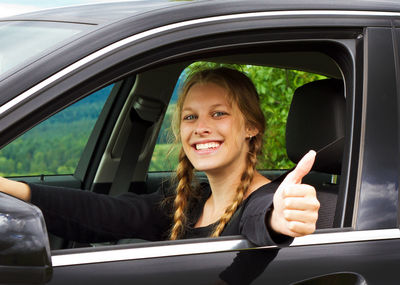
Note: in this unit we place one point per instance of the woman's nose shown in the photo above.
(202, 127)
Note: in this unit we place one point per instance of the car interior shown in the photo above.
(119, 150)
(316, 121)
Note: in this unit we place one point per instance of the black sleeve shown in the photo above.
(253, 221)
(85, 216)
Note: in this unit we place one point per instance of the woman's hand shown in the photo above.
(296, 206)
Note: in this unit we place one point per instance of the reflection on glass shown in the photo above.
(23, 40)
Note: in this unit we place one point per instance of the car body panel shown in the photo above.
(306, 259)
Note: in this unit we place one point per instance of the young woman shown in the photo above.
(220, 126)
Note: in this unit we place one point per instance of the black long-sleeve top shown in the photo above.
(85, 216)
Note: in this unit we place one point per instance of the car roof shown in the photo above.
(99, 13)
(102, 13)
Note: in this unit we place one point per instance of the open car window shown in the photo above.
(276, 87)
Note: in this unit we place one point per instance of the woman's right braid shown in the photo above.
(184, 176)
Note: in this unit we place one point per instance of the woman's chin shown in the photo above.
(205, 167)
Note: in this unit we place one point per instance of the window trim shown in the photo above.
(202, 246)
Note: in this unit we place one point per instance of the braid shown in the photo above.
(245, 181)
(184, 175)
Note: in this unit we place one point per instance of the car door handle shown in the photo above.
(348, 278)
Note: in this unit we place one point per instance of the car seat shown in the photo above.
(316, 121)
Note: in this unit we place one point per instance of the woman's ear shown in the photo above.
(251, 131)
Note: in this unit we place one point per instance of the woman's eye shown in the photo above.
(189, 117)
(218, 114)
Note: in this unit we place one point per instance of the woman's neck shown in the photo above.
(224, 185)
(223, 188)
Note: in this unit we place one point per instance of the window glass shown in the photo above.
(165, 155)
(26, 39)
(55, 145)
(275, 87)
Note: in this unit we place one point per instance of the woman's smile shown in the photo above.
(208, 147)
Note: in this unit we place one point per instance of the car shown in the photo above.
(70, 79)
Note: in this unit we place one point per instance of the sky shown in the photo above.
(14, 7)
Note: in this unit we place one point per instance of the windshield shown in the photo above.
(25, 40)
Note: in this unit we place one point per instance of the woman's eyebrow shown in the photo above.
(187, 109)
(217, 105)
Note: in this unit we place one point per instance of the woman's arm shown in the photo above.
(85, 216)
(14, 188)
(89, 217)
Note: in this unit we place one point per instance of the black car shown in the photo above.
(70, 79)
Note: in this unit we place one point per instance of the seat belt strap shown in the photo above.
(130, 154)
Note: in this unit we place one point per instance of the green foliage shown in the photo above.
(48, 149)
(166, 135)
(275, 87)
(165, 157)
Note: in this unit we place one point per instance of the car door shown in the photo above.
(346, 254)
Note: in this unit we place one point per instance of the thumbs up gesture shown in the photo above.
(296, 206)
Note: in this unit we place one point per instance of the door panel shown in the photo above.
(373, 261)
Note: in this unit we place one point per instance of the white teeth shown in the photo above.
(207, 145)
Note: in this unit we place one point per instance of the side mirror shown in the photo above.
(24, 245)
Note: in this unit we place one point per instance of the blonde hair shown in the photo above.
(242, 93)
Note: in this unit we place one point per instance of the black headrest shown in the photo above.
(316, 121)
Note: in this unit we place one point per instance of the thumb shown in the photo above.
(302, 169)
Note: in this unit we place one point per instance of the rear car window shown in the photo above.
(54, 146)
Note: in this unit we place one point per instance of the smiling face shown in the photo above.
(213, 131)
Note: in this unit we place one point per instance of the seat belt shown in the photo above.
(143, 114)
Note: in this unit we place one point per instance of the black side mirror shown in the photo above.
(24, 245)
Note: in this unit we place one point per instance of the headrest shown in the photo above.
(316, 121)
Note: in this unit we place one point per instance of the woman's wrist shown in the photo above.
(277, 237)
(14, 188)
